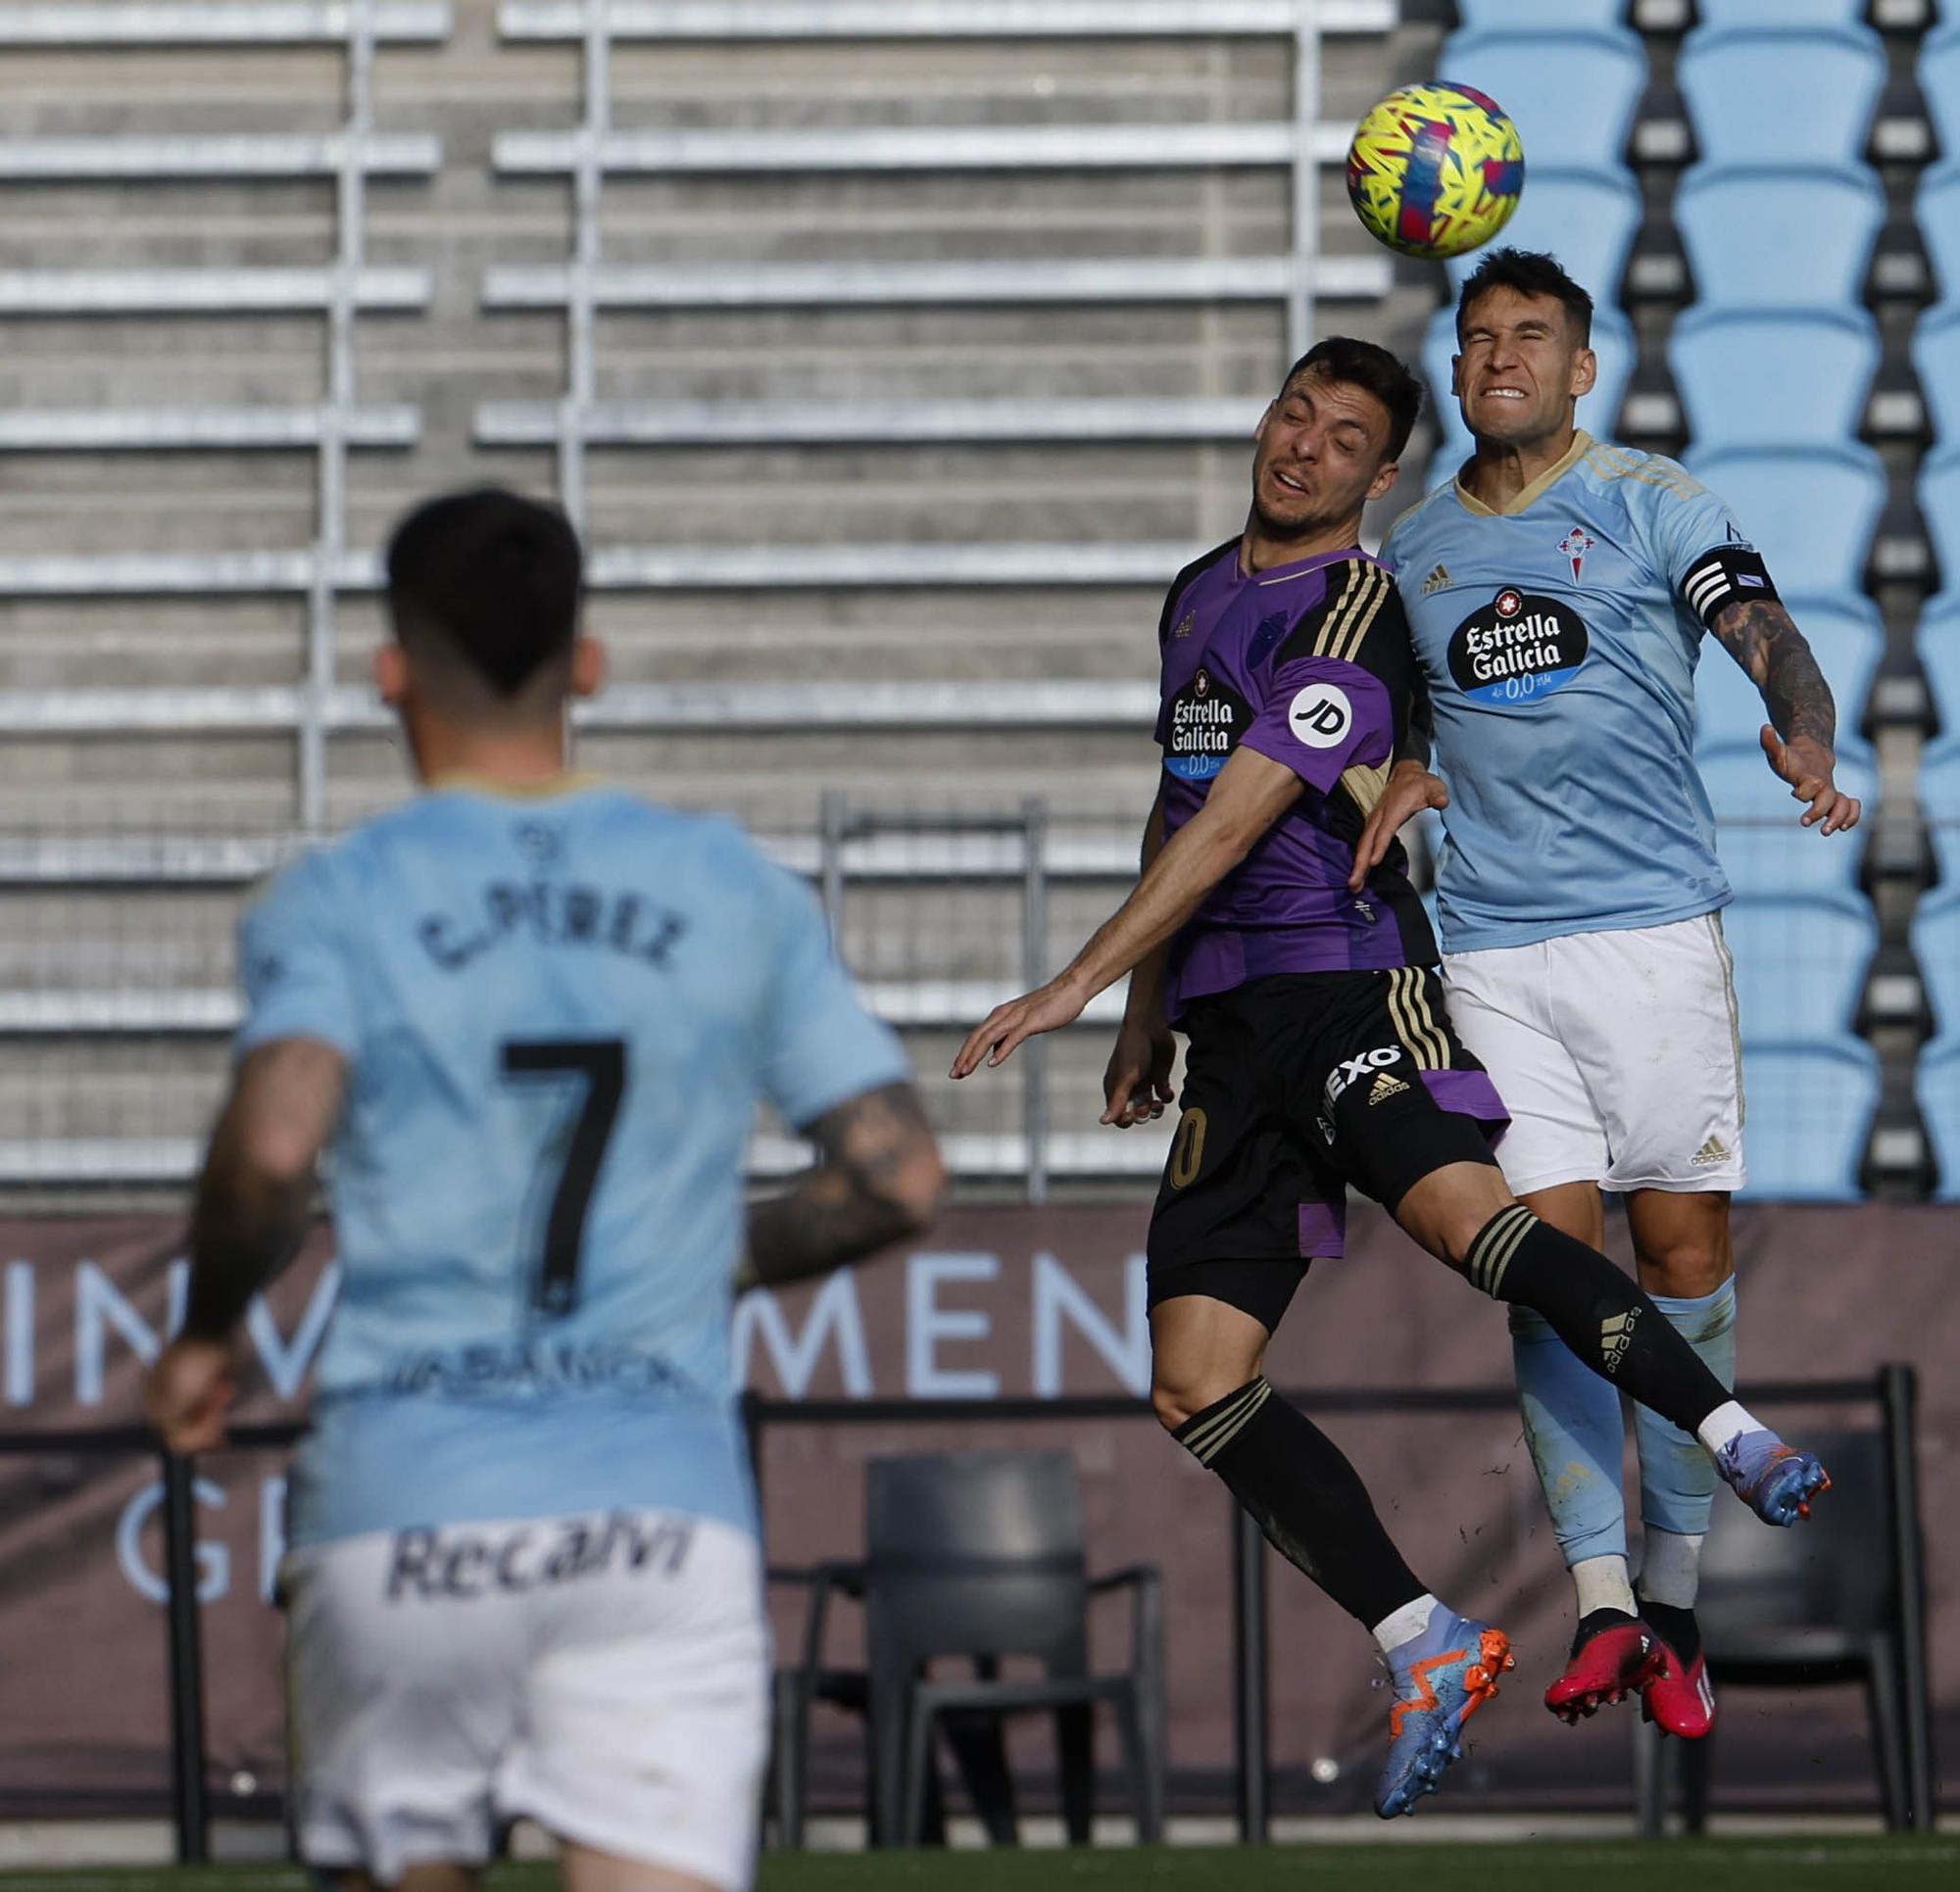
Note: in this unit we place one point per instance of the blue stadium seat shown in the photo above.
(1801, 97)
(1587, 218)
(1787, 16)
(1543, 16)
(1773, 377)
(1936, 211)
(1801, 965)
(1935, 354)
(1939, 504)
(1572, 94)
(1810, 1113)
(1938, 643)
(1779, 237)
(1936, 944)
(1812, 511)
(1939, 803)
(1850, 641)
(1599, 411)
(1938, 1088)
(1940, 81)
(1763, 846)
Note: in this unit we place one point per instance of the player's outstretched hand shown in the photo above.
(1136, 1084)
(1411, 789)
(994, 1038)
(189, 1393)
(1807, 766)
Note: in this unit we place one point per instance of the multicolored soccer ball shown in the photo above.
(1436, 170)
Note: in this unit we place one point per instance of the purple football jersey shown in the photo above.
(1309, 664)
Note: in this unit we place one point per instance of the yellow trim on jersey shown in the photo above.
(1365, 785)
(1347, 647)
(1321, 644)
(1619, 463)
(1581, 443)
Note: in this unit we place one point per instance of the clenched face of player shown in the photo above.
(1522, 367)
(1323, 452)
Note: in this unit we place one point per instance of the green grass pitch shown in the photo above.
(1795, 1864)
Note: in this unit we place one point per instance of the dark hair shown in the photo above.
(1362, 365)
(494, 576)
(1531, 272)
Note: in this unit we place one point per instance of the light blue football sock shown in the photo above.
(1576, 1437)
(1677, 1474)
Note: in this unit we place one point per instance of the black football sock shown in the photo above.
(1597, 1310)
(1305, 1496)
(1678, 1626)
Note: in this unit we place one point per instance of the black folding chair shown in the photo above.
(978, 1556)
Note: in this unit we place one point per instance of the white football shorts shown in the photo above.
(1617, 1055)
(603, 1674)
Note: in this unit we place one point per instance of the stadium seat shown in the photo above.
(1599, 411)
(1935, 356)
(1587, 218)
(1572, 94)
(1543, 16)
(1779, 237)
(1850, 641)
(1939, 506)
(1810, 1111)
(1936, 944)
(1773, 377)
(1787, 16)
(1939, 81)
(1939, 1090)
(1801, 965)
(1801, 97)
(1936, 211)
(1939, 803)
(1936, 640)
(1812, 511)
(1764, 849)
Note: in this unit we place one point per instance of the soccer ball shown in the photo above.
(1436, 170)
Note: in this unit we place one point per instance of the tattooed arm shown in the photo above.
(877, 1179)
(1800, 740)
(251, 1211)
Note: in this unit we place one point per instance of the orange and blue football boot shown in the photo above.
(1775, 1480)
(1613, 1655)
(1441, 1679)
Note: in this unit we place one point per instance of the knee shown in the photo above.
(1179, 1396)
(1684, 1268)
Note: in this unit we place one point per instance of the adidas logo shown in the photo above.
(1616, 1335)
(1386, 1086)
(1436, 580)
(1714, 1150)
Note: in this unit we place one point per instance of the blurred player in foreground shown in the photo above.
(1320, 1050)
(530, 1018)
(1558, 589)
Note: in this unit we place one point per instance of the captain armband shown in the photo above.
(1730, 574)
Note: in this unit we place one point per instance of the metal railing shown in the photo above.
(1894, 1391)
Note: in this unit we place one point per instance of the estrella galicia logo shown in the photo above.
(1206, 720)
(1517, 647)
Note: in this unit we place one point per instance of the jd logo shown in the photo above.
(1320, 715)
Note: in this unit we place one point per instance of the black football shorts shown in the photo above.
(1295, 1087)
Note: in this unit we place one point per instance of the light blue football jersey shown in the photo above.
(560, 1013)
(1557, 640)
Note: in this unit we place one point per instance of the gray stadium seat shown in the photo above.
(1812, 511)
(1939, 503)
(1939, 1092)
(1760, 236)
(1936, 211)
(1803, 96)
(1801, 965)
(1599, 411)
(1810, 1111)
(1939, 81)
(1763, 848)
(1572, 94)
(1587, 218)
(1849, 640)
(1773, 377)
(1935, 354)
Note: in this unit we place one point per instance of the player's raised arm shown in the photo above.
(878, 1180)
(251, 1212)
(1801, 737)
